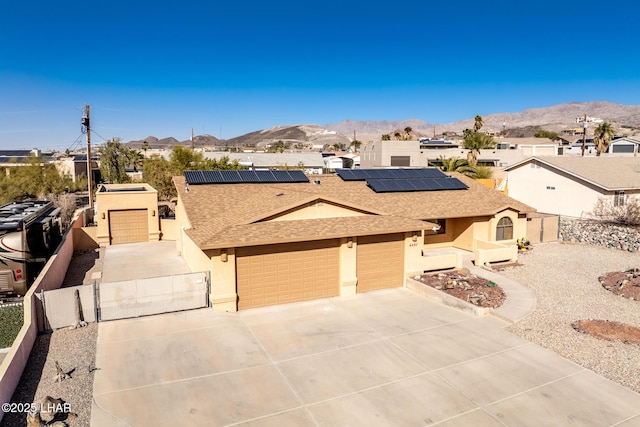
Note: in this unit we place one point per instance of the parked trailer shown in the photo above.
(29, 234)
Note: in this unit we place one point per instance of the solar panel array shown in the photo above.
(403, 180)
(366, 174)
(417, 184)
(244, 177)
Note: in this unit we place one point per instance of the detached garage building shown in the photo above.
(127, 213)
(282, 238)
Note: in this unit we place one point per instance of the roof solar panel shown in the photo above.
(298, 176)
(248, 176)
(212, 177)
(243, 176)
(193, 177)
(415, 184)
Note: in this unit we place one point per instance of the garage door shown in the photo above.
(276, 274)
(128, 226)
(380, 262)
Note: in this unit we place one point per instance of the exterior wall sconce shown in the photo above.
(415, 236)
(223, 256)
(349, 242)
(103, 216)
(153, 213)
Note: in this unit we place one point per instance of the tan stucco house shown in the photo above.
(571, 185)
(271, 243)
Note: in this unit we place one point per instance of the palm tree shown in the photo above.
(135, 159)
(474, 142)
(407, 133)
(386, 137)
(602, 137)
(397, 136)
(478, 123)
(454, 164)
(145, 147)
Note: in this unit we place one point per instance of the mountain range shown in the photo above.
(624, 118)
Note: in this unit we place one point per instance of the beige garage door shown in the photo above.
(276, 274)
(380, 262)
(128, 226)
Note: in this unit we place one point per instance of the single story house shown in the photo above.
(271, 242)
(571, 185)
(310, 162)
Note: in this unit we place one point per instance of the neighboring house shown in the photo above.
(571, 185)
(75, 167)
(310, 162)
(16, 158)
(274, 242)
(624, 145)
(420, 154)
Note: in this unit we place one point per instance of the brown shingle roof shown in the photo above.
(227, 213)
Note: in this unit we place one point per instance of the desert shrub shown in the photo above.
(626, 214)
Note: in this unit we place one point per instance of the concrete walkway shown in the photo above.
(382, 358)
(521, 300)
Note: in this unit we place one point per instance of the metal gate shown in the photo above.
(155, 295)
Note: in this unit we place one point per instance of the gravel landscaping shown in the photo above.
(564, 277)
(73, 349)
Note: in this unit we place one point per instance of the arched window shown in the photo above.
(504, 230)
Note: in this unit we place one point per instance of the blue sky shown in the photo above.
(162, 68)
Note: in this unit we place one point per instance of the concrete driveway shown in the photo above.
(132, 261)
(384, 358)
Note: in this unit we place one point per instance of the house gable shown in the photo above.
(317, 209)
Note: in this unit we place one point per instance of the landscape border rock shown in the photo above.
(592, 232)
(445, 298)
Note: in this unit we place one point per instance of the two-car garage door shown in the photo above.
(276, 274)
(282, 273)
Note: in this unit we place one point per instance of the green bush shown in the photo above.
(11, 319)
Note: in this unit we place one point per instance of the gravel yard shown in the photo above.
(564, 277)
(75, 351)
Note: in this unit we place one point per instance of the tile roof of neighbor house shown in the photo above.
(229, 215)
(606, 172)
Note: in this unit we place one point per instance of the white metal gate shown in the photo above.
(156, 295)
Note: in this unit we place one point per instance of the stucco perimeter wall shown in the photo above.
(169, 229)
(51, 277)
(182, 223)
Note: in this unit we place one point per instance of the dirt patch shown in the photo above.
(607, 330)
(623, 283)
(467, 287)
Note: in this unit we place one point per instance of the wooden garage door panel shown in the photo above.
(380, 262)
(277, 274)
(128, 226)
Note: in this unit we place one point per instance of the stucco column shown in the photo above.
(223, 295)
(348, 278)
(413, 254)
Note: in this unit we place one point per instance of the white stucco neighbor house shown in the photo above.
(571, 185)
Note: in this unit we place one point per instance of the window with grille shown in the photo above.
(504, 229)
(618, 199)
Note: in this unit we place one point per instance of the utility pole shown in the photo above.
(86, 123)
(584, 133)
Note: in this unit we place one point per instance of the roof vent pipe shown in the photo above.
(316, 181)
